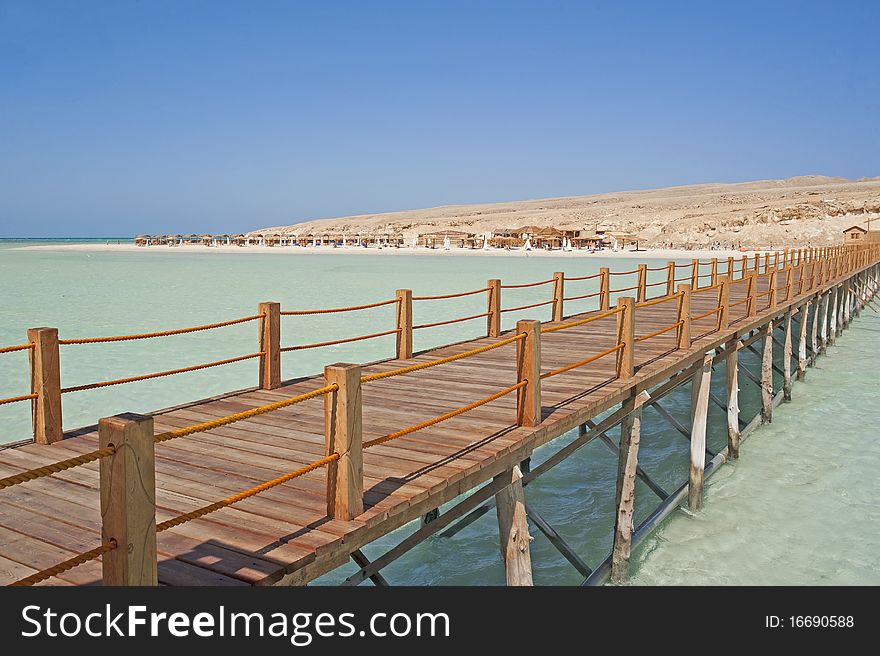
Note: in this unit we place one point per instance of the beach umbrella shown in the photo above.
(415, 242)
(485, 242)
(445, 242)
(528, 244)
(315, 242)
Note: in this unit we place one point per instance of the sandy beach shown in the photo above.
(647, 254)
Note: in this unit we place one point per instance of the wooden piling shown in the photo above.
(804, 313)
(823, 326)
(558, 295)
(493, 318)
(814, 330)
(626, 335)
(625, 499)
(767, 374)
(404, 324)
(683, 316)
(270, 345)
(732, 379)
(46, 384)
(513, 530)
(528, 370)
(343, 435)
(786, 358)
(700, 393)
(832, 319)
(128, 500)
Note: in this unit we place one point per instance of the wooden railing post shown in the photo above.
(513, 530)
(771, 296)
(270, 345)
(626, 335)
(695, 274)
(625, 497)
(558, 295)
(744, 267)
(684, 316)
(604, 288)
(699, 417)
(46, 384)
(724, 303)
(404, 324)
(128, 500)
(528, 370)
(343, 435)
(714, 277)
(642, 283)
(493, 319)
(752, 292)
(670, 278)
(766, 261)
(730, 268)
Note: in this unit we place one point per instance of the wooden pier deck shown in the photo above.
(284, 535)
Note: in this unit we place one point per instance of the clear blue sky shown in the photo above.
(119, 117)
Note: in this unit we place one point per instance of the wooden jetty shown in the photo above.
(284, 482)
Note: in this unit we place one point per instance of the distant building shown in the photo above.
(853, 234)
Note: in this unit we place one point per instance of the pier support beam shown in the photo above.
(823, 325)
(804, 313)
(513, 529)
(128, 500)
(732, 366)
(767, 374)
(700, 384)
(46, 384)
(343, 435)
(832, 323)
(786, 358)
(814, 331)
(625, 499)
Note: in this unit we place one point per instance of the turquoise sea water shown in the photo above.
(752, 524)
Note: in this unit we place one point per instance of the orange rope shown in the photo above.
(68, 564)
(581, 363)
(161, 374)
(444, 323)
(351, 308)
(527, 284)
(659, 299)
(526, 307)
(444, 417)
(660, 332)
(583, 296)
(21, 347)
(339, 341)
(659, 282)
(16, 399)
(706, 314)
(433, 363)
(622, 273)
(660, 268)
(581, 322)
(164, 333)
(706, 289)
(595, 275)
(241, 496)
(733, 305)
(55, 467)
(445, 296)
(625, 289)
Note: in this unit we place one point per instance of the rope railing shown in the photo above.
(582, 296)
(450, 321)
(655, 284)
(660, 332)
(739, 302)
(161, 374)
(526, 307)
(345, 340)
(55, 467)
(350, 308)
(440, 297)
(575, 278)
(448, 415)
(659, 268)
(163, 333)
(659, 299)
(433, 363)
(622, 273)
(581, 322)
(17, 399)
(581, 363)
(19, 347)
(703, 315)
(64, 566)
(623, 289)
(708, 288)
(528, 284)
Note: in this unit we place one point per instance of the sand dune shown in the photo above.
(804, 210)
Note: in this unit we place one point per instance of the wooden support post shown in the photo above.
(814, 331)
(804, 312)
(700, 411)
(513, 530)
(730, 271)
(493, 320)
(789, 283)
(695, 274)
(732, 365)
(604, 288)
(757, 263)
(404, 324)
(752, 292)
(832, 323)
(343, 435)
(767, 262)
(723, 303)
(683, 316)
(642, 283)
(528, 369)
(767, 375)
(46, 384)
(714, 277)
(625, 500)
(670, 278)
(270, 345)
(128, 500)
(626, 335)
(558, 295)
(823, 326)
(786, 358)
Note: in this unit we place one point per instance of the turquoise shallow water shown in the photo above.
(752, 507)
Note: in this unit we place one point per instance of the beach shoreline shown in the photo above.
(648, 254)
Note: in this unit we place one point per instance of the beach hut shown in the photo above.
(142, 240)
(208, 240)
(220, 240)
(549, 238)
(172, 240)
(526, 232)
